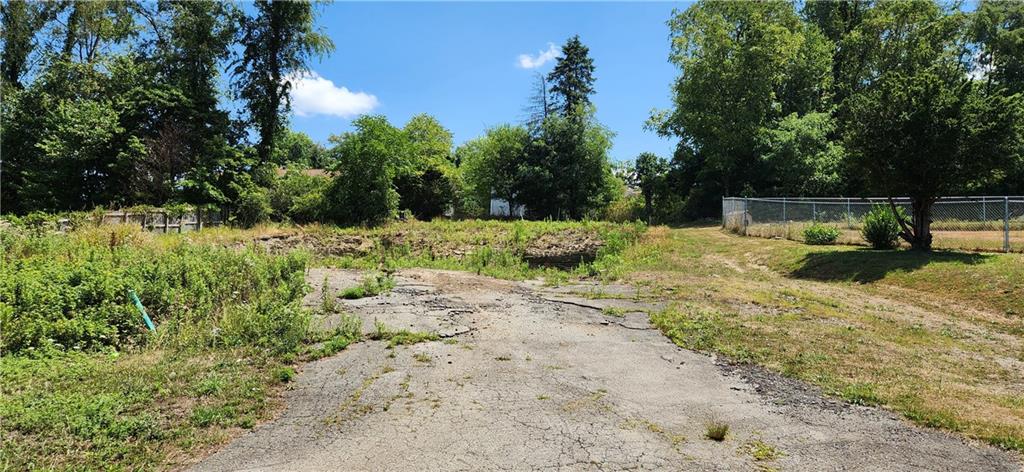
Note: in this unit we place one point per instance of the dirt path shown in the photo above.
(530, 378)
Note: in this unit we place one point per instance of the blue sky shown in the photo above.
(461, 63)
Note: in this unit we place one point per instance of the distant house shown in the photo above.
(281, 171)
(499, 207)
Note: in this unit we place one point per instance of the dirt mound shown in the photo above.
(564, 249)
(322, 244)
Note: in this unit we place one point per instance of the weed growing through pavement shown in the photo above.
(716, 430)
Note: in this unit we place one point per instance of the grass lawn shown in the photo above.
(936, 337)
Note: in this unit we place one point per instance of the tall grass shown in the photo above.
(71, 293)
(85, 386)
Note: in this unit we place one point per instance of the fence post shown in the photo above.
(1006, 224)
(984, 213)
(784, 209)
(849, 215)
(166, 222)
(746, 208)
(814, 211)
(199, 219)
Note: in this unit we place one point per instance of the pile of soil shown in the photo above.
(324, 245)
(564, 249)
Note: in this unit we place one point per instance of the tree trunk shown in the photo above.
(647, 206)
(922, 219)
(917, 231)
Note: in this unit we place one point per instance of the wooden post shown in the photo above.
(199, 219)
(166, 223)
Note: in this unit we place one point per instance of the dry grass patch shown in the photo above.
(892, 340)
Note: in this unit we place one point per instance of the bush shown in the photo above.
(881, 229)
(818, 233)
(298, 197)
(251, 207)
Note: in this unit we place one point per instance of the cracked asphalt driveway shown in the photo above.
(532, 378)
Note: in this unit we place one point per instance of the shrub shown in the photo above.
(298, 197)
(251, 207)
(881, 229)
(818, 233)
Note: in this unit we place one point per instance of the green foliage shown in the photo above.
(690, 327)
(402, 337)
(278, 42)
(299, 150)
(719, 46)
(251, 206)
(427, 185)
(491, 164)
(71, 293)
(369, 159)
(881, 229)
(998, 26)
(650, 177)
(575, 146)
(802, 156)
(106, 410)
(371, 286)
(572, 78)
(819, 233)
(954, 132)
(298, 197)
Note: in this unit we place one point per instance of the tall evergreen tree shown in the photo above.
(198, 41)
(572, 79)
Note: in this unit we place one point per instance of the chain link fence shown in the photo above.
(986, 223)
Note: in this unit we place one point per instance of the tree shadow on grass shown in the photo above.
(866, 265)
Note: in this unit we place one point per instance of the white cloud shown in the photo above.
(527, 61)
(312, 94)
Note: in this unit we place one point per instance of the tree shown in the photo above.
(298, 149)
(92, 28)
(650, 175)
(929, 135)
(572, 79)
(22, 21)
(427, 185)
(492, 165)
(278, 43)
(920, 126)
(540, 105)
(801, 157)
(197, 41)
(837, 19)
(998, 27)
(368, 160)
(566, 170)
(743, 66)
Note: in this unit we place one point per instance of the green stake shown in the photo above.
(142, 310)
